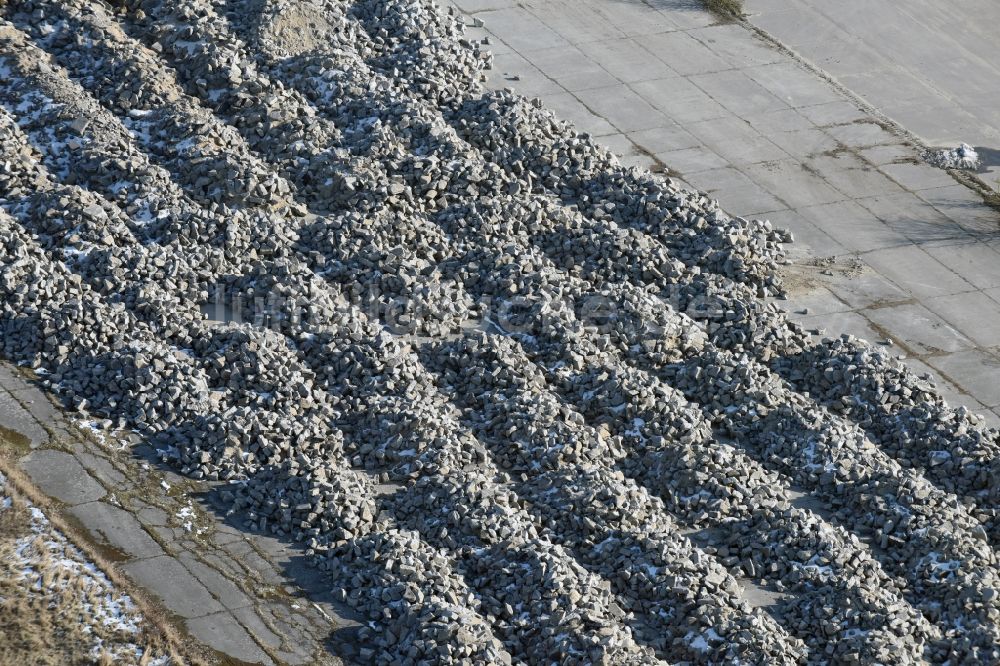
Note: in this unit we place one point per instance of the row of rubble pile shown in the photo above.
(320, 266)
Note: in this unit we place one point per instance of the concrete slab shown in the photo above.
(513, 71)
(869, 289)
(793, 33)
(116, 527)
(854, 227)
(897, 83)
(782, 121)
(789, 180)
(919, 330)
(224, 633)
(729, 41)
(879, 155)
(18, 421)
(626, 19)
(177, 587)
(801, 143)
(243, 553)
(249, 618)
(61, 476)
(831, 114)
(690, 161)
(951, 195)
(977, 262)
(664, 139)
(619, 144)
(973, 313)
(736, 192)
(680, 100)
(809, 240)
(685, 14)
(101, 468)
(738, 92)
(917, 271)
(628, 61)
(293, 658)
(639, 161)
(736, 141)
(623, 108)
(576, 27)
(793, 84)
(964, 207)
(975, 372)
(474, 6)
(221, 587)
(224, 565)
(817, 301)
(152, 516)
(37, 403)
(281, 619)
(10, 378)
(833, 324)
(683, 53)
(568, 107)
(277, 551)
(861, 134)
(627, 152)
(850, 175)
(916, 219)
(520, 29)
(570, 67)
(991, 417)
(916, 177)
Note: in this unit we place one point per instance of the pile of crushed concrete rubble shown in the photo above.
(520, 403)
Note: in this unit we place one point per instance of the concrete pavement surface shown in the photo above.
(886, 247)
(930, 66)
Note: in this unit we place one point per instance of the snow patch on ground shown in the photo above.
(48, 563)
(964, 157)
(187, 517)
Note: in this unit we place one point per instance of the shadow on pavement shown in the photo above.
(284, 553)
(988, 156)
(671, 5)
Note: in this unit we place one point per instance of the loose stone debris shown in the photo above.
(964, 157)
(522, 404)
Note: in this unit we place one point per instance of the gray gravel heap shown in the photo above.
(521, 404)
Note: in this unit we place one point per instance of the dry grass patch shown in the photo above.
(57, 607)
(728, 10)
